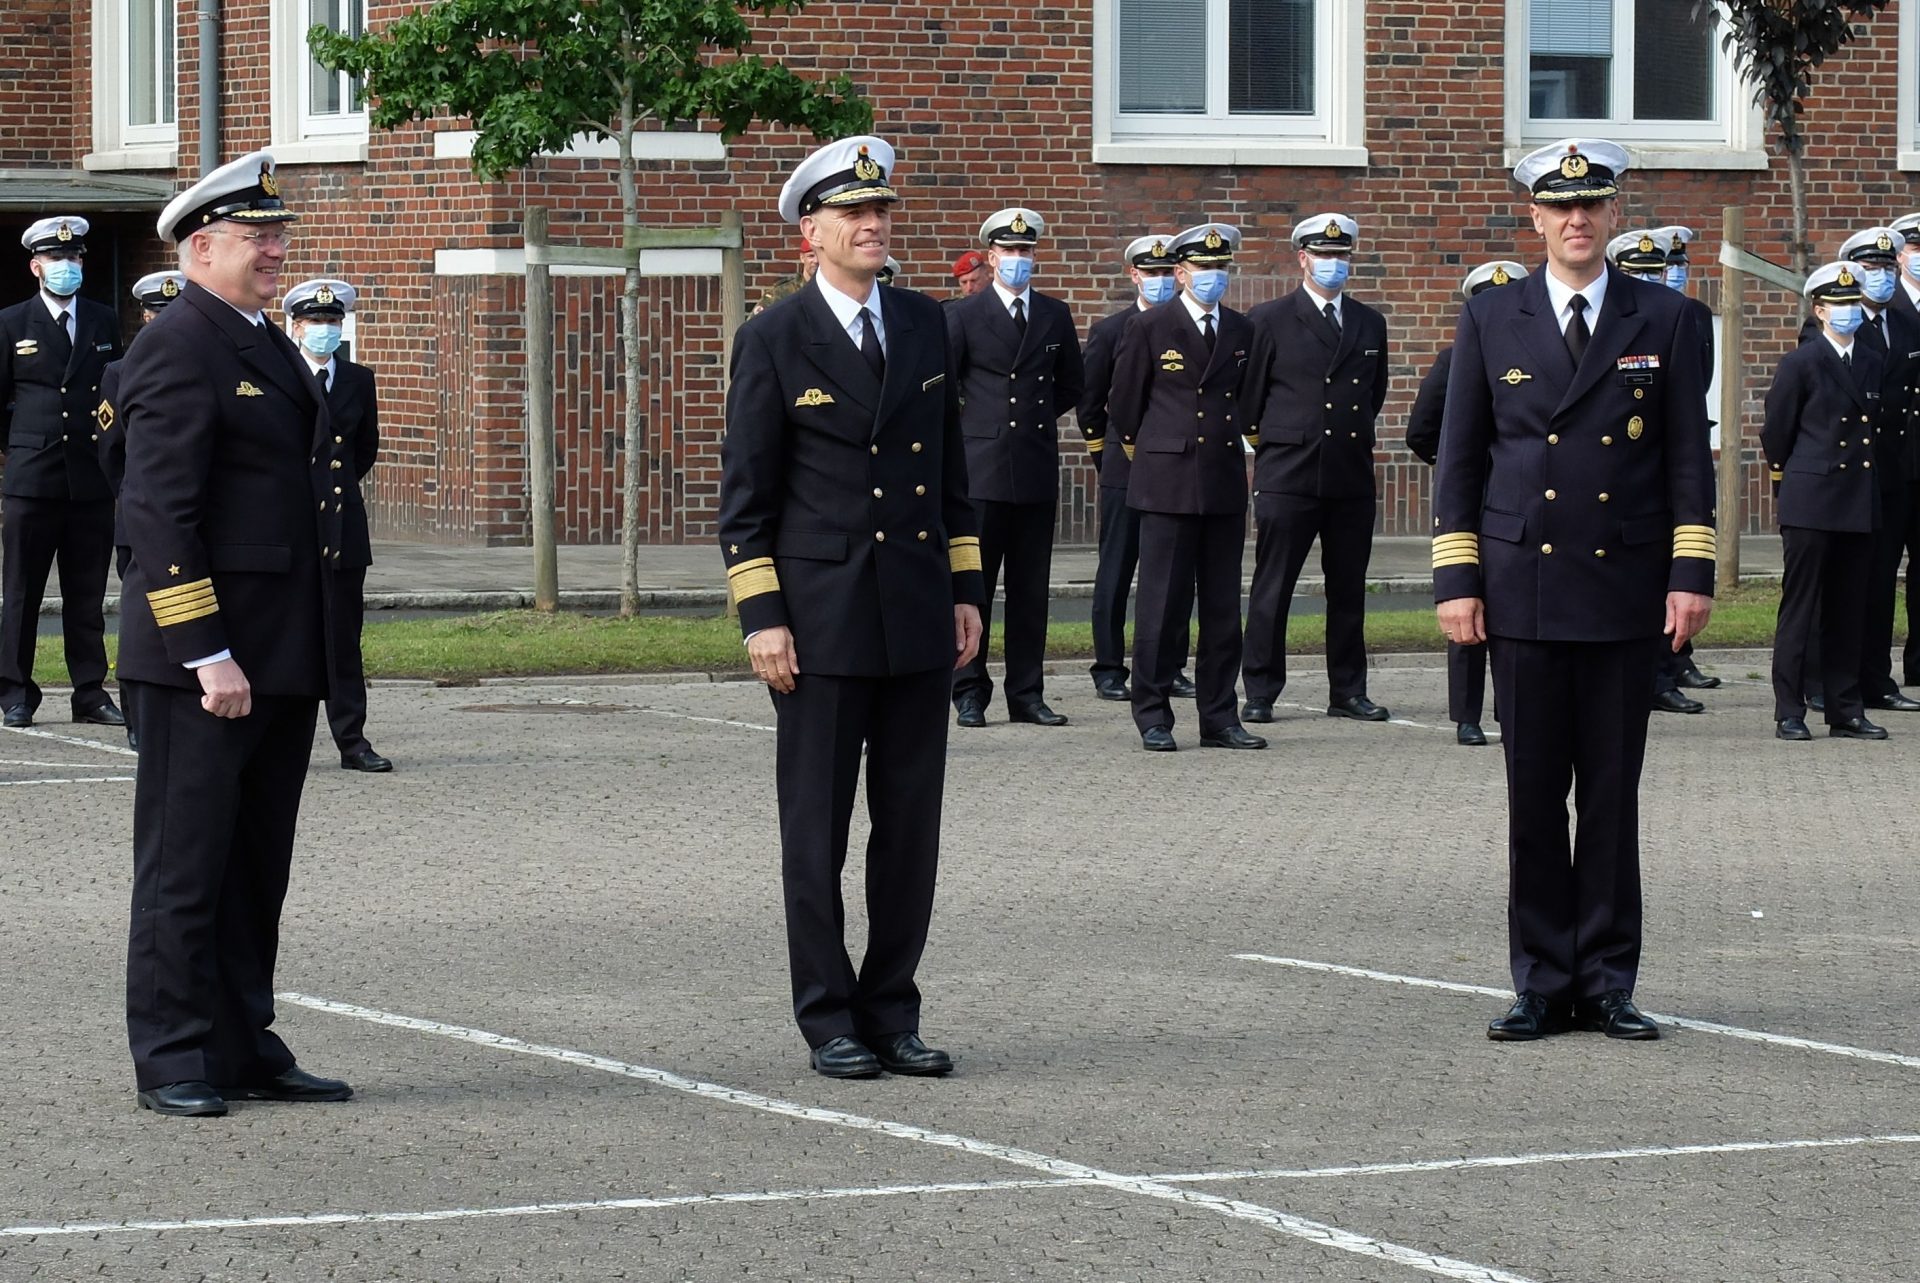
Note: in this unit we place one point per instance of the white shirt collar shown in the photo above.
(1912, 288)
(1196, 311)
(847, 309)
(321, 364)
(1835, 344)
(1558, 292)
(1320, 304)
(56, 308)
(253, 318)
(1007, 296)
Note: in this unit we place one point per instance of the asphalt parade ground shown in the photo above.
(1219, 1016)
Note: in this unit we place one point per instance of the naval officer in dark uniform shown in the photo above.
(1018, 358)
(1174, 408)
(58, 509)
(1149, 265)
(153, 292)
(1466, 665)
(854, 556)
(1315, 383)
(1818, 438)
(1903, 304)
(235, 529)
(1574, 534)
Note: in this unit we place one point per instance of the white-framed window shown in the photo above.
(318, 115)
(1229, 81)
(1650, 74)
(135, 83)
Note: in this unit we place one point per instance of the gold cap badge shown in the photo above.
(1019, 225)
(1500, 276)
(1885, 242)
(1646, 244)
(1213, 240)
(1845, 277)
(1574, 166)
(1333, 229)
(268, 183)
(323, 295)
(169, 288)
(866, 168)
(65, 232)
(1159, 249)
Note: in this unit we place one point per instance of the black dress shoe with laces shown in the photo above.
(906, 1054)
(1232, 737)
(1157, 739)
(1792, 728)
(1530, 1017)
(184, 1100)
(1257, 710)
(1693, 679)
(365, 759)
(1183, 687)
(1672, 701)
(18, 716)
(1856, 728)
(1359, 708)
(1116, 691)
(100, 715)
(1470, 734)
(1036, 714)
(844, 1057)
(1614, 1015)
(1895, 703)
(968, 712)
(294, 1085)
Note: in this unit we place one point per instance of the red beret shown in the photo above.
(967, 262)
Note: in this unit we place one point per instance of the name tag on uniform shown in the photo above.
(1372, 351)
(936, 379)
(1873, 396)
(103, 347)
(1053, 347)
(1648, 362)
(247, 389)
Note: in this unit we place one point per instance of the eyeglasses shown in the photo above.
(278, 238)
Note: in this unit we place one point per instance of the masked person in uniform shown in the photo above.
(1466, 665)
(854, 557)
(1150, 266)
(1574, 534)
(229, 507)
(319, 309)
(1174, 406)
(58, 507)
(1902, 304)
(1018, 357)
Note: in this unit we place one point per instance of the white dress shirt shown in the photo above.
(1841, 347)
(319, 367)
(59, 308)
(1196, 312)
(1559, 292)
(846, 310)
(1007, 297)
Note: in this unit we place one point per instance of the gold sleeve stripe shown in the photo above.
(163, 596)
(1096, 444)
(1695, 541)
(742, 567)
(1705, 531)
(1457, 559)
(1777, 474)
(963, 554)
(1463, 539)
(1460, 548)
(1127, 448)
(964, 541)
(1253, 439)
(758, 579)
(186, 609)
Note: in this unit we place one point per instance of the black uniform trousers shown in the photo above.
(1883, 583)
(1910, 654)
(347, 702)
(1466, 682)
(38, 533)
(1019, 537)
(1666, 674)
(1179, 555)
(208, 883)
(1573, 714)
(1288, 525)
(824, 724)
(1825, 580)
(1112, 582)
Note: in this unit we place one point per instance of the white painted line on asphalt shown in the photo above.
(1235, 1209)
(710, 721)
(21, 761)
(1679, 1022)
(1493, 737)
(79, 779)
(122, 750)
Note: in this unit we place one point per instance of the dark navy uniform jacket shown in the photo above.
(48, 392)
(110, 443)
(843, 499)
(1176, 411)
(1896, 443)
(1573, 501)
(228, 502)
(1014, 388)
(1819, 437)
(1313, 395)
(1429, 406)
(353, 405)
(1103, 345)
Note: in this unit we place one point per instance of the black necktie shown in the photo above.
(1333, 317)
(870, 344)
(1020, 315)
(1577, 331)
(1206, 329)
(1876, 336)
(66, 330)
(321, 374)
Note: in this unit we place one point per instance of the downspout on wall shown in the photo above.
(207, 13)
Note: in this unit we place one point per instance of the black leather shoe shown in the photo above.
(1674, 702)
(1896, 703)
(844, 1057)
(1183, 687)
(1791, 728)
(17, 716)
(364, 759)
(906, 1054)
(1112, 690)
(1694, 680)
(1257, 710)
(296, 1085)
(184, 1100)
(1232, 737)
(1470, 734)
(1856, 728)
(1614, 1015)
(133, 739)
(1818, 703)
(968, 712)
(1359, 708)
(1036, 715)
(1530, 1017)
(1158, 739)
(101, 715)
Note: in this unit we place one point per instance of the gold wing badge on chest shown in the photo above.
(811, 397)
(1515, 377)
(1173, 359)
(247, 389)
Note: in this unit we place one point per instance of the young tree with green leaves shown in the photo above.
(531, 74)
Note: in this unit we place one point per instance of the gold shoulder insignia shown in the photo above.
(812, 396)
(247, 389)
(1514, 377)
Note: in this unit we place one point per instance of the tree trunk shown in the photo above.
(1797, 181)
(630, 337)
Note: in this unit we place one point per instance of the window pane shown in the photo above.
(142, 89)
(323, 86)
(1672, 62)
(1270, 56)
(1163, 55)
(164, 59)
(1571, 48)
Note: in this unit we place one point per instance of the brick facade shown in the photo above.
(988, 104)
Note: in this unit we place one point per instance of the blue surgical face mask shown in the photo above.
(1014, 272)
(61, 277)
(1912, 264)
(1845, 318)
(1158, 289)
(321, 340)
(1676, 277)
(1877, 283)
(1329, 273)
(1208, 285)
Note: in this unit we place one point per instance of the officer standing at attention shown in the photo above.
(319, 310)
(58, 507)
(1150, 267)
(1466, 665)
(1018, 357)
(852, 553)
(1175, 408)
(1574, 534)
(1315, 384)
(229, 505)
(1818, 439)
(1903, 304)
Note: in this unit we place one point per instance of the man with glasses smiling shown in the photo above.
(230, 509)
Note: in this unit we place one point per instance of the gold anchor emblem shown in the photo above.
(169, 288)
(1333, 230)
(1845, 277)
(268, 183)
(1635, 427)
(65, 233)
(866, 169)
(1513, 378)
(323, 295)
(1574, 166)
(1500, 276)
(1884, 243)
(1213, 240)
(1019, 225)
(1159, 249)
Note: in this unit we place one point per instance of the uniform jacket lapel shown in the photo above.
(1349, 334)
(833, 352)
(899, 376)
(1846, 376)
(84, 338)
(1618, 328)
(40, 323)
(252, 345)
(1314, 321)
(1538, 330)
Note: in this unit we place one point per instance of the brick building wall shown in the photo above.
(989, 104)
